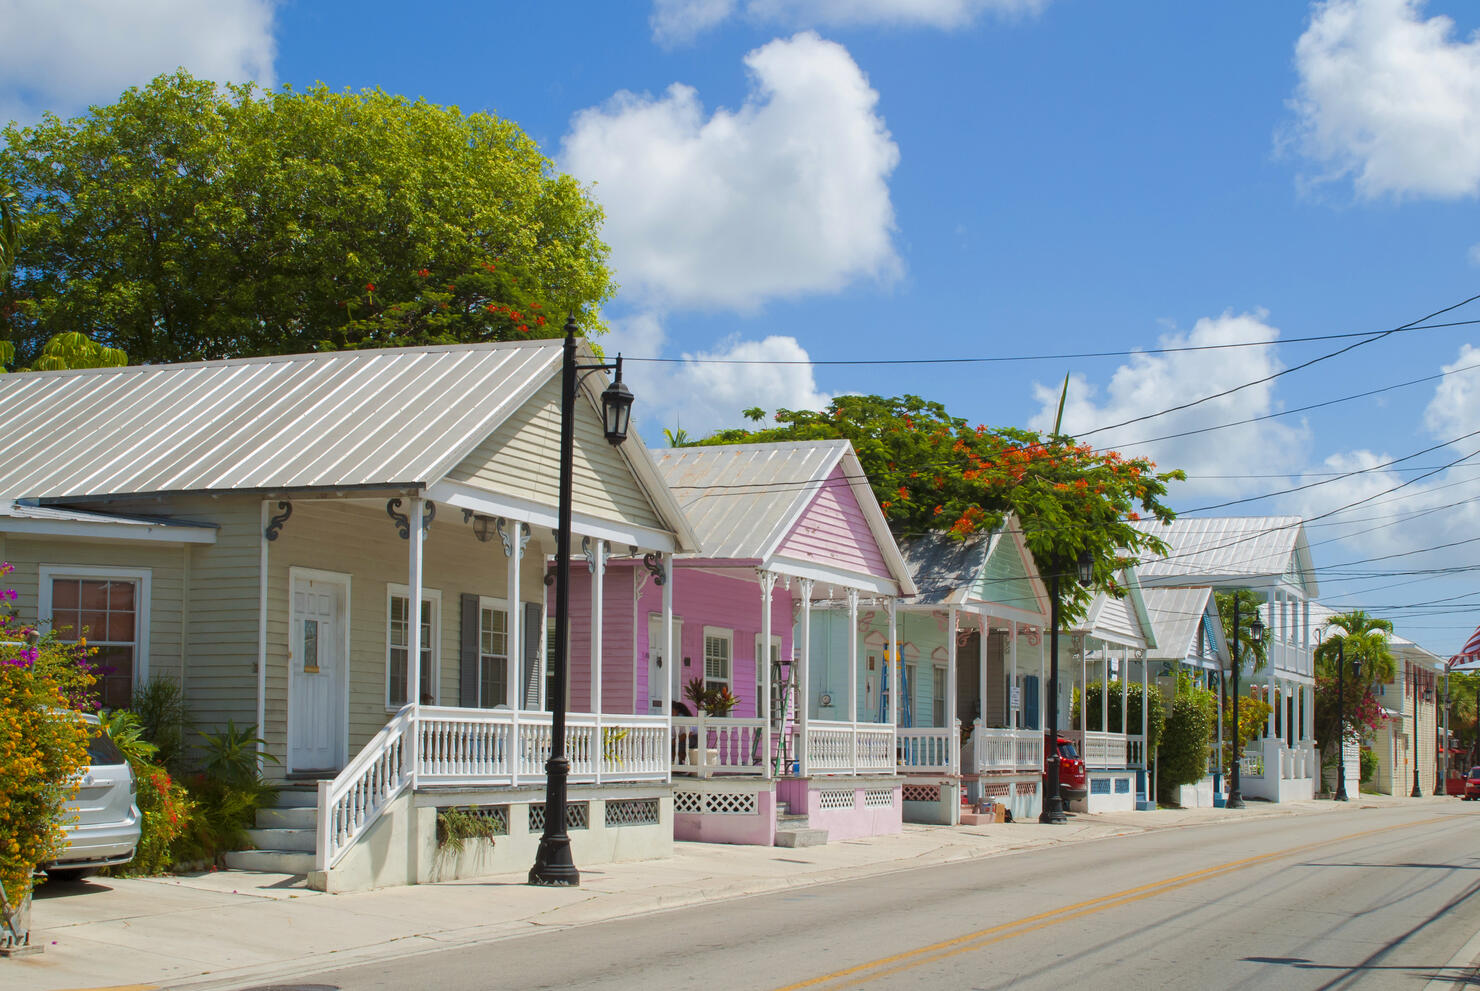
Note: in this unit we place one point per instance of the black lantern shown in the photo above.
(1086, 566)
(616, 408)
(1256, 628)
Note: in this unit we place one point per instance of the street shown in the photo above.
(1376, 897)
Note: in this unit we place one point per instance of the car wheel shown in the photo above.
(69, 873)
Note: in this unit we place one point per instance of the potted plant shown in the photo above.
(718, 702)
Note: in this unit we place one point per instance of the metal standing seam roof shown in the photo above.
(1225, 547)
(743, 499)
(1176, 616)
(941, 567)
(397, 416)
(17, 516)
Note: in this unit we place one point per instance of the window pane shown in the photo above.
(396, 678)
(93, 625)
(121, 626)
(64, 593)
(94, 595)
(116, 667)
(65, 622)
(121, 595)
(493, 685)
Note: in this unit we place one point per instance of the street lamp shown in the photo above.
(1417, 791)
(1053, 802)
(552, 863)
(1256, 631)
(1341, 795)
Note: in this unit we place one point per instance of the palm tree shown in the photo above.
(1252, 652)
(1359, 637)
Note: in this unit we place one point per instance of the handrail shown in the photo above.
(350, 804)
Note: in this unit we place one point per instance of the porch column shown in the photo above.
(413, 603)
(669, 654)
(514, 676)
(853, 659)
(1105, 689)
(1145, 712)
(1042, 681)
(891, 658)
(1014, 712)
(981, 679)
(1269, 679)
(598, 595)
(763, 704)
(803, 678)
(1125, 684)
(951, 628)
(1083, 688)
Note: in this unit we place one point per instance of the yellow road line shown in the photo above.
(910, 959)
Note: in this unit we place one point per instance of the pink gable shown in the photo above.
(833, 531)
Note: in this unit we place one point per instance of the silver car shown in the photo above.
(105, 830)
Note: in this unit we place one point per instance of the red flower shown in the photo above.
(369, 287)
(423, 272)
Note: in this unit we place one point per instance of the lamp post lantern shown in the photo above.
(1256, 631)
(552, 863)
(1053, 801)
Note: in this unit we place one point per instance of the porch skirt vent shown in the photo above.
(835, 799)
(733, 803)
(577, 816)
(632, 812)
(494, 816)
(1027, 788)
(996, 789)
(922, 793)
(878, 798)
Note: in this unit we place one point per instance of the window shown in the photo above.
(110, 608)
(938, 697)
(718, 646)
(398, 621)
(493, 653)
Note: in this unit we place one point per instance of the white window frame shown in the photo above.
(728, 636)
(939, 694)
(510, 650)
(428, 595)
(142, 579)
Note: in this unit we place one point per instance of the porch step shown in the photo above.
(298, 796)
(298, 840)
(801, 837)
(270, 861)
(292, 817)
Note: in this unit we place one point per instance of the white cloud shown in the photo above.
(785, 196)
(679, 21)
(61, 57)
(699, 393)
(1149, 383)
(1455, 408)
(1389, 98)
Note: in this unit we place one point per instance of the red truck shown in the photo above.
(1072, 784)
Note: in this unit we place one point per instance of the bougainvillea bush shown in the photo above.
(42, 743)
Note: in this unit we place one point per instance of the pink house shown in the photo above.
(786, 530)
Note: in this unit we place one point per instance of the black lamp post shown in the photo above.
(1340, 723)
(552, 863)
(1053, 802)
(1417, 791)
(1441, 743)
(1256, 630)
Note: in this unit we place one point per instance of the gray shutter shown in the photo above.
(467, 664)
(533, 631)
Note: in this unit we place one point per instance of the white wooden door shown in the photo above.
(317, 671)
(658, 664)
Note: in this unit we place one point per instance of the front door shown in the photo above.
(316, 662)
(658, 664)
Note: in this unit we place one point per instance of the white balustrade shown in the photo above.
(996, 750)
(850, 748)
(1251, 765)
(350, 803)
(925, 748)
(709, 745)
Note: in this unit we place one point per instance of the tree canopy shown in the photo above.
(190, 221)
(1355, 638)
(935, 472)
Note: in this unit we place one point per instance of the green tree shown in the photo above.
(1357, 638)
(935, 472)
(189, 221)
(1252, 652)
(9, 240)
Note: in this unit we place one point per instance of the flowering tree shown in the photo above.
(935, 472)
(1357, 638)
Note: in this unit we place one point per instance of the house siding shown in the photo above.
(832, 530)
(1004, 579)
(521, 458)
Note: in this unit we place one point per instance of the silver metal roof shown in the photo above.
(24, 518)
(1226, 549)
(1176, 616)
(942, 567)
(399, 416)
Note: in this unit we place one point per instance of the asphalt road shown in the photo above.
(1370, 898)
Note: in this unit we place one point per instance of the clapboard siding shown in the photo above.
(1117, 619)
(832, 530)
(1004, 579)
(166, 584)
(360, 540)
(522, 458)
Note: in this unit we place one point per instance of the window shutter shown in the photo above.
(467, 660)
(532, 630)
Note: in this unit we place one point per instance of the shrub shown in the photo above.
(1253, 716)
(164, 804)
(221, 812)
(1155, 713)
(41, 747)
(1183, 756)
(163, 720)
(1369, 765)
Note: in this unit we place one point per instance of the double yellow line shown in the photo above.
(982, 938)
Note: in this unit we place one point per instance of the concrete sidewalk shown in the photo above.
(231, 929)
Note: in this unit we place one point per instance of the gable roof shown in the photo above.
(742, 500)
(30, 520)
(1176, 616)
(1119, 619)
(947, 571)
(1229, 551)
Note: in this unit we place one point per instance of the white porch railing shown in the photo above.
(996, 750)
(850, 748)
(1107, 750)
(426, 747)
(1251, 765)
(928, 749)
(710, 745)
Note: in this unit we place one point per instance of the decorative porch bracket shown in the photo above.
(403, 522)
(275, 524)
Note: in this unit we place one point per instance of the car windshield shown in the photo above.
(102, 751)
(1067, 751)
(1475, 772)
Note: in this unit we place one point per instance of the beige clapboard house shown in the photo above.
(258, 530)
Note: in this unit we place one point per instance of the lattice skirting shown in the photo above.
(495, 815)
(632, 811)
(1026, 788)
(577, 816)
(835, 799)
(878, 798)
(734, 803)
(997, 789)
(921, 793)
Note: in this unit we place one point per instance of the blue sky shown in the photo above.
(978, 178)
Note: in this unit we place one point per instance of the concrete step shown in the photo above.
(270, 861)
(293, 817)
(297, 797)
(801, 837)
(787, 819)
(300, 840)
